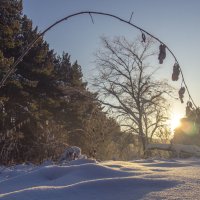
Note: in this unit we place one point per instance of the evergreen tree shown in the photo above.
(25, 93)
(10, 45)
(45, 104)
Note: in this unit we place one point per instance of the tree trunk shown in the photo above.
(143, 138)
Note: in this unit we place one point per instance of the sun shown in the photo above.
(174, 121)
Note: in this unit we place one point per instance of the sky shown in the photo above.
(175, 22)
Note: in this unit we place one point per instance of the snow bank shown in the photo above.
(178, 148)
(86, 179)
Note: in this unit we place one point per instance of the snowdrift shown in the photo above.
(87, 179)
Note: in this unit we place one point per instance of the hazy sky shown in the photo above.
(175, 22)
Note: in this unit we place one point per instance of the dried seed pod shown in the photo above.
(143, 37)
(162, 53)
(181, 93)
(188, 108)
(189, 104)
(176, 72)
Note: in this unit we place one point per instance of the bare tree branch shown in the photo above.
(129, 89)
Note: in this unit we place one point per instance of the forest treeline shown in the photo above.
(45, 105)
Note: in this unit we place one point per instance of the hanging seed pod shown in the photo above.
(176, 72)
(188, 108)
(143, 37)
(181, 94)
(189, 104)
(162, 53)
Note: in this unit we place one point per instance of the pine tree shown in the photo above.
(45, 104)
(22, 98)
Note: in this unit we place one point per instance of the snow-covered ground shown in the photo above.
(112, 180)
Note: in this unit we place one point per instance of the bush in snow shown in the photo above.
(70, 153)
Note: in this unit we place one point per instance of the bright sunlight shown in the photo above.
(174, 121)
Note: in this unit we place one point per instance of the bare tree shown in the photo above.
(127, 86)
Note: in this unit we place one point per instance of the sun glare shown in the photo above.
(175, 121)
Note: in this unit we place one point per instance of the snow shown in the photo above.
(178, 148)
(86, 179)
